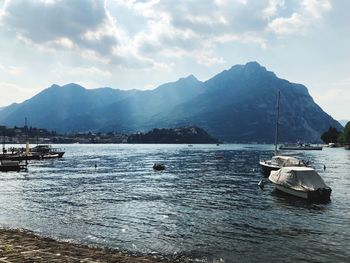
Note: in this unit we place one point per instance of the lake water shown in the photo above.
(206, 206)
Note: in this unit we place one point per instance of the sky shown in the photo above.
(140, 44)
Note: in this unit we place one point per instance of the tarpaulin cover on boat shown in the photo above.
(298, 178)
(284, 161)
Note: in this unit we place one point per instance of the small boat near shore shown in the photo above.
(303, 182)
(300, 147)
(47, 151)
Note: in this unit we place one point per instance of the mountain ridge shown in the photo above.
(236, 105)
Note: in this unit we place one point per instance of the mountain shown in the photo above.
(54, 107)
(343, 122)
(236, 105)
(136, 112)
(239, 106)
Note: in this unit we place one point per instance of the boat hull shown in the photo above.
(31, 156)
(301, 148)
(266, 168)
(317, 195)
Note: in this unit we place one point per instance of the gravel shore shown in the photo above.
(24, 246)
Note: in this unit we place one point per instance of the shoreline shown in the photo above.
(25, 246)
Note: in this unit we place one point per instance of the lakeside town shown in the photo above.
(22, 135)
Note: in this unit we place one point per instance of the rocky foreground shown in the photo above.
(24, 246)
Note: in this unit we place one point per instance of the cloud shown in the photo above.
(11, 92)
(272, 8)
(309, 12)
(79, 25)
(90, 71)
(187, 29)
(148, 33)
(11, 70)
(315, 8)
(288, 25)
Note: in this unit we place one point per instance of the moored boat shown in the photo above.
(303, 182)
(38, 152)
(47, 151)
(279, 161)
(300, 146)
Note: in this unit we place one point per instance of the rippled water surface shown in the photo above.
(205, 206)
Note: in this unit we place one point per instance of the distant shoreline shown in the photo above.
(181, 135)
(24, 246)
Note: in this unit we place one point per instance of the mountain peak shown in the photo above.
(54, 86)
(72, 86)
(254, 66)
(255, 69)
(251, 66)
(189, 78)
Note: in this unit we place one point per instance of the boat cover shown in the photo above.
(298, 178)
(284, 161)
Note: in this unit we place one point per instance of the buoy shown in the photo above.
(158, 166)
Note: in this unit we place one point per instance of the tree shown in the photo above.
(331, 135)
(344, 137)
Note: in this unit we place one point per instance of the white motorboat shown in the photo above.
(279, 161)
(300, 146)
(302, 182)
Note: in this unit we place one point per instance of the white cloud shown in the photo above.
(89, 72)
(187, 29)
(288, 25)
(315, 8)
(11, 70)
(272, 8)
(11, 92)
(148, 33)
(298, 22)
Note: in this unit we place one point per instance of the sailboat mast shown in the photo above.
(277, 121)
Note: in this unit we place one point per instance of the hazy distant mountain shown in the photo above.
(136, 112)
(236, 105)
(343, 122)
(54, 107)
